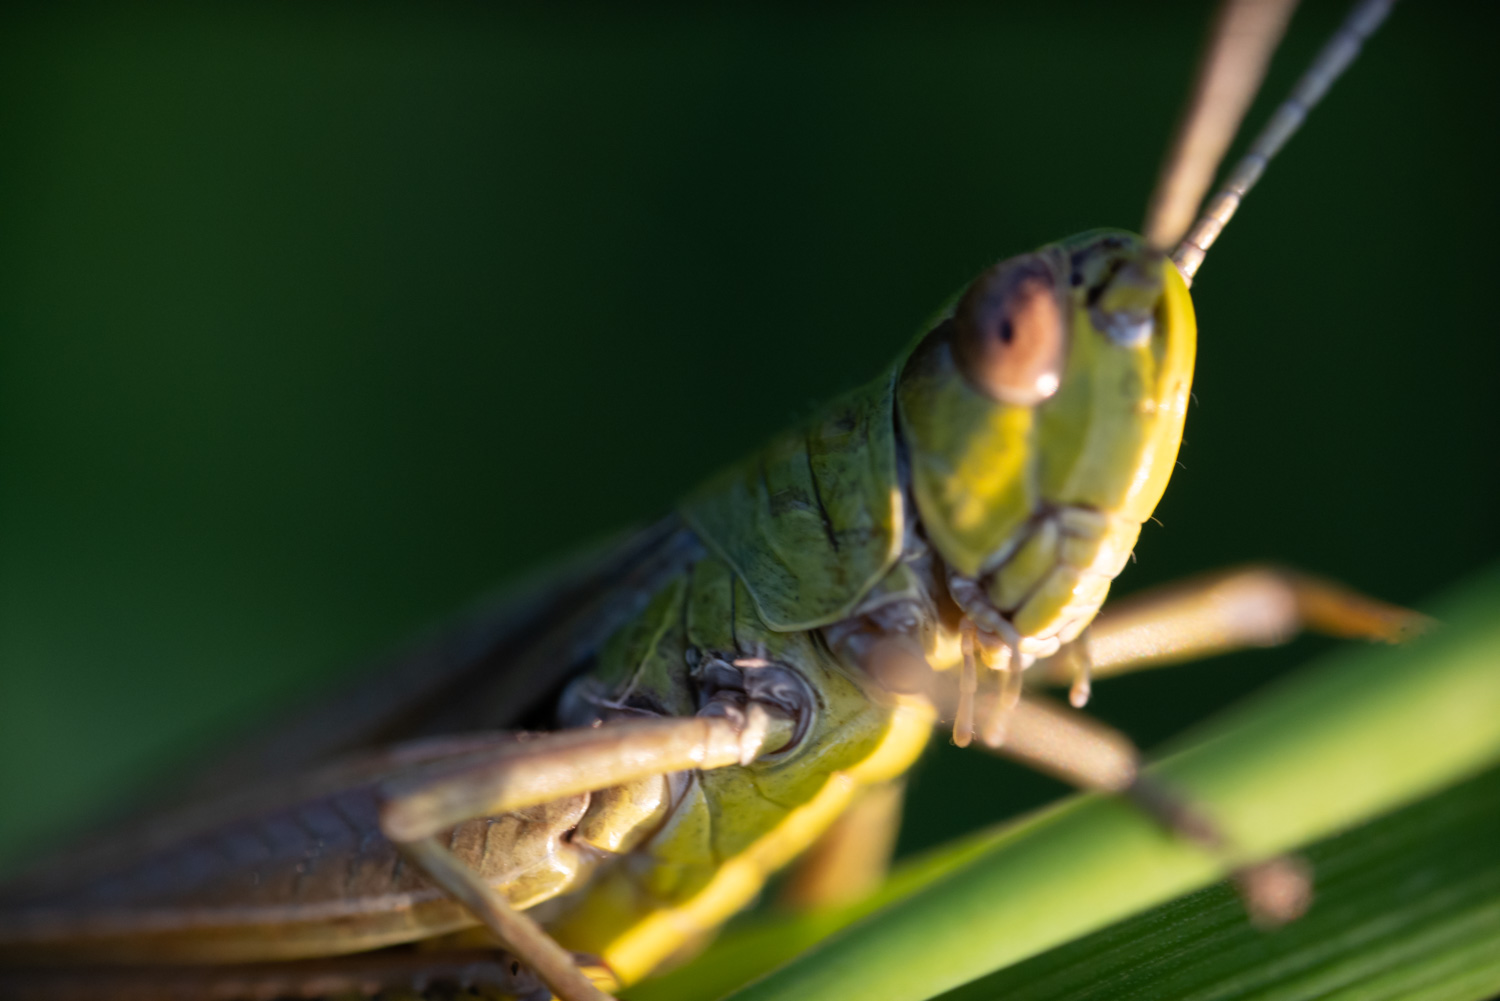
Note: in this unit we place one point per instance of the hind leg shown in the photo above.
(390, 973)
(417, 809)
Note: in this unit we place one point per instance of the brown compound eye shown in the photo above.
(1010, 333)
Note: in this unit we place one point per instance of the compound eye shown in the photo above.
(1010, 333)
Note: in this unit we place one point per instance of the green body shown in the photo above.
(917, 474)
(727, 829)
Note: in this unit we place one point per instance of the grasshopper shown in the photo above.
(550, 779)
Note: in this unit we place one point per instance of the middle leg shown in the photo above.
(1071, 746)
(852, 857)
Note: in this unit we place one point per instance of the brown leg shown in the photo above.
(419, 806)
(1246, 607)
(359, 976)
(852, 857)
(1084, 752)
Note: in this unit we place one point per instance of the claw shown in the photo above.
(1276, 891)
(1010, 667)
(968, 683)
(1083, 685)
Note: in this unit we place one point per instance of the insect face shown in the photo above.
(1043, 419)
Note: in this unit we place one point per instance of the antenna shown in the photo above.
(1240, 43)
(1330, 63)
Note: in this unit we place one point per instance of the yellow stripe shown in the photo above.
(644, 946)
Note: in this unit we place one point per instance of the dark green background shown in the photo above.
(317, 320)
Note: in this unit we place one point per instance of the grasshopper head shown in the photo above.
(1043, 418)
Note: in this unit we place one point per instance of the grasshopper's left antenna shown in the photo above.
(1329, 64)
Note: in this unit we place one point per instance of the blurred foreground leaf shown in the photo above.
(1408, 907)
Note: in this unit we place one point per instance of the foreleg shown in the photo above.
(1253, 606)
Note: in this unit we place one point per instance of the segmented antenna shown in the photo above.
(1240, 44)
(1325, 69)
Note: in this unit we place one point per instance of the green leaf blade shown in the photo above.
(1408, 907)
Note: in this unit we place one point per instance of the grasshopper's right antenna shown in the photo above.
(1325, 69)
(1240, 43)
